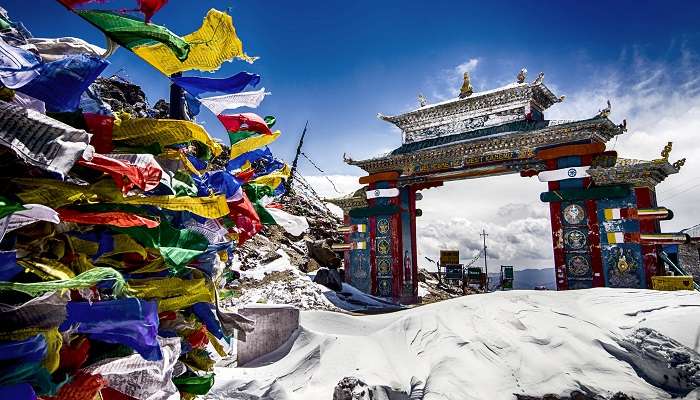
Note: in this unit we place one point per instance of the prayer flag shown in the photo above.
(196, 85)
(209, 46)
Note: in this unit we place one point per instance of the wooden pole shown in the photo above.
(296, 158)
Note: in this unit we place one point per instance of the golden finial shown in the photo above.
(678, 164)
(466, 90)
(666, 151)
(522, 75)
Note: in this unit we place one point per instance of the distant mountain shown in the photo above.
(528, 279)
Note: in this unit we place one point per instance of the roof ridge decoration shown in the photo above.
(474, 110)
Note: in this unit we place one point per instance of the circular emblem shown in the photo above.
(383, 246)
(575, 239)
(571, 172)
(383, 226)
(376, 193)
(578, 266)
(383, 266)
(574, 214)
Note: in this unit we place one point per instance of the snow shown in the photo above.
(486, 346)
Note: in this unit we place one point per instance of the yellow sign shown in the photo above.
(449, 257)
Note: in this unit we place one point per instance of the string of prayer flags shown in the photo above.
(208, 47)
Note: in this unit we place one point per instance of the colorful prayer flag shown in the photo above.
(209, 46)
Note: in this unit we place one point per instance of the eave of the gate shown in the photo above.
(462, 152)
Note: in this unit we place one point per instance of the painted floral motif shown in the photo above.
(383, 266)
(575, 239)
(578, 266)
(383, 226)
(574, 214)
(383, 246)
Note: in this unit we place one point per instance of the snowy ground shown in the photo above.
(484, 347)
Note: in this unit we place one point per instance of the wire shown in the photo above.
(681, 192)
(321, 171)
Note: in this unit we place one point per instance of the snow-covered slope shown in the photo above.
(487, 346)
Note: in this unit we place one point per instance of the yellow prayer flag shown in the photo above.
(146, 131)
(173, 293)
(212, 44)
(207, 207)
(252, 143)
(274, 179)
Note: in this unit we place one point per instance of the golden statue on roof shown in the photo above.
(467, 88)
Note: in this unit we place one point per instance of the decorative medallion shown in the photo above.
(623, 268)
(578, 266)
(384, 266)
(383, 226)
(574, 214)
(383, 246)
(575, 239)
(384, 287)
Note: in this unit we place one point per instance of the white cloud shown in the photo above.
(449, 80)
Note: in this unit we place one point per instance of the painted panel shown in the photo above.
(622, 263)
(359, 273)
(407, 255)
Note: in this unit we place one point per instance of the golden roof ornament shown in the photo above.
(678, 164)
(422, 100)
(466, 90)
(666, 151)
(522, 75)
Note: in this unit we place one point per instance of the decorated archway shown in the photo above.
(604, 216)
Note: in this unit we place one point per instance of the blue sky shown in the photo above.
(338, 64)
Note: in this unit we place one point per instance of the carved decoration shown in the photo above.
(422, 101)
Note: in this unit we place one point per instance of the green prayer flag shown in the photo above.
(8, 207)
(235, 137)
(132, 32)
(177, 246)
(255, 193)
(198, 385)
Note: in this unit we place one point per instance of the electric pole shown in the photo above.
(486, 267)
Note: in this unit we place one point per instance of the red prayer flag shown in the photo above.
(119, 219)
(101, 128)
(125, 174)
(150, 7)
(245, 122)
(247, 221)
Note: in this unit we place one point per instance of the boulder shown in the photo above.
(310, 265)
(329, 278)
(351, 388)
(322, 252)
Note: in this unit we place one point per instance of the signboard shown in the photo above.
(453, 271)
(474, 273)
(507, 271)
(449, 257)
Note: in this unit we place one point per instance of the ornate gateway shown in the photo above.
(504, 131)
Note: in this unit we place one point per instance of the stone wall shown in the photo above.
(689, 259)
